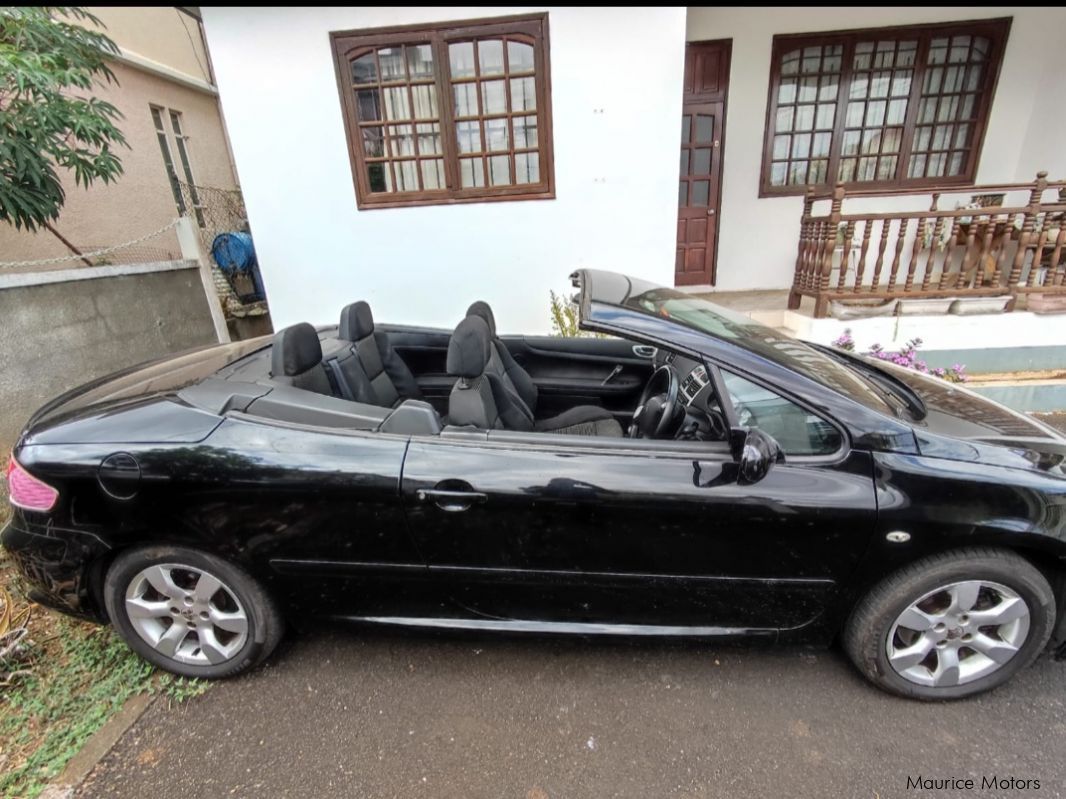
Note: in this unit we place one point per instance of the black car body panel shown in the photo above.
(572, 534)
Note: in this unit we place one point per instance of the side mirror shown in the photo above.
(755, 453)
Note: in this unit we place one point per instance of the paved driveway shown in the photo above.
(377, 714)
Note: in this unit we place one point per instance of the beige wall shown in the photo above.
(162, 34)
(141, 200)
(1023, 135)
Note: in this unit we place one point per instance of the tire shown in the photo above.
(1002, 577)
(161, 605)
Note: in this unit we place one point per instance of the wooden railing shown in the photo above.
(997, 249)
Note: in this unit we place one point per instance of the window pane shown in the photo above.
(468, 136)
(782, 145)
(396, 103)
(701, 192)
(368, 105)
(786, 92)
(826, 114)
(425, 101)
(429, 139)
(471, 172)
(379, 178)
(493, 100)
(527, 168)
(797, 431)
(500, 170)
(777, 174)
(496, 136)
(784, 119)
(490, 56)
(374, 142)
(402, 141)
(686, 127)
(525, 132)
(432, 174)
(820, 145)
(406, 175)
(420, 61)
(701, 161)
(365, 69)
(684, 162)
(808, 90)
(523, 94)
(704, 128)
(520, 59)
(392, 67)
(465, 99)
(461, 59)
(804, 117)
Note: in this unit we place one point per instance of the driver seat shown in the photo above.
(482, 399)
(588, 420)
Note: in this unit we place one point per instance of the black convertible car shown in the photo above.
(690, 473)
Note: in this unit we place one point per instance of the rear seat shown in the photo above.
(296, 360)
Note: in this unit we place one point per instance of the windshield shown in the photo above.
(765, 341)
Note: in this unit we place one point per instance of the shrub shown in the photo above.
(907, 357)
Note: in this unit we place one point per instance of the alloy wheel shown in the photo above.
(958, 633)
(186, 614)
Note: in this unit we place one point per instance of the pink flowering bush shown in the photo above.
(907, 357)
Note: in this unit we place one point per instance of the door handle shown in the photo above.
(643, 351)
(451, 501)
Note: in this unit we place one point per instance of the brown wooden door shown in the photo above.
(702, 146)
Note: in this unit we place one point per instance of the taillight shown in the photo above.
(26, 491)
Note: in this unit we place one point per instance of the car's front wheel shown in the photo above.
(189, 612)
(952, 625)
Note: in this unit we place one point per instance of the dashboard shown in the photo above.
(692, 374)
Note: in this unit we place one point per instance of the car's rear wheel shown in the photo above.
(952, 625)
(189, 612)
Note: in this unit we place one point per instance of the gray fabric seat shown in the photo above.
(369, 368)
(481, 398)
(579, 420)
(296, 360)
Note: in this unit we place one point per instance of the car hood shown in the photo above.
(75, 417)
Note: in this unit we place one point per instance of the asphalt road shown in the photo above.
(378, 714)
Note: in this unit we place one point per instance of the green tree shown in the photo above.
(49, 120)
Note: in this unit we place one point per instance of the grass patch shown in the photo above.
(77, 676)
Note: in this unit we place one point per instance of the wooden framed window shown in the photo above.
(881, 110)
(448, 113)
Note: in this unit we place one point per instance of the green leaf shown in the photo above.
(45, 57)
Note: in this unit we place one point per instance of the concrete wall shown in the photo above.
(757, 244)
(616, 77)
(141, 200)
(61, 329)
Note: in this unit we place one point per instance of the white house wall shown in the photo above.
(616, 102)
(757, 244)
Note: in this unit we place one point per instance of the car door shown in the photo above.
(570, 529)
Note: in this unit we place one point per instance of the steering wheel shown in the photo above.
(658, 407)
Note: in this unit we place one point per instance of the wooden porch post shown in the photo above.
(821, 303)
(1028, 225)
(799, 275)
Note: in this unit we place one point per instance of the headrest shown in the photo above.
(482, 309)
(356, 322)
(296, 349)
(468, 350)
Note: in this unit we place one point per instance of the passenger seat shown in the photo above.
(370, 370)
(296, 360)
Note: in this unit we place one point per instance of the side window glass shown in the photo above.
(796, 430)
